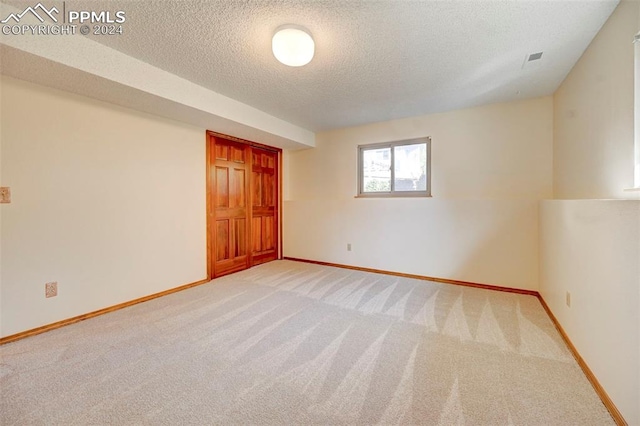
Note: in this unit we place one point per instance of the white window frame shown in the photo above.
(636, 105)
(393, 193)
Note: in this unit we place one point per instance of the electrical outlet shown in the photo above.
(5, 195)
(568, 299)
(348, 246)
(51, 289)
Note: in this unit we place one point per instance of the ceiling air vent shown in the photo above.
(532, 60)
(534, 56)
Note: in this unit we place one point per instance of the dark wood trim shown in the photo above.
(68, 321)
(600, 391)
(420, 277)
(209, 212)
(250, 185)
(280, 203)
(244, 141)
(606, 400)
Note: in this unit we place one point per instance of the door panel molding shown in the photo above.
(244, 204)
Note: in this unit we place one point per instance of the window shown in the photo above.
(395, 169)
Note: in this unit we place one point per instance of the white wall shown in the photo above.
(593, 115)
(591, 248)
(1, 208)
(108, 202)
(85, 66)
(490, 166)
(636, 107)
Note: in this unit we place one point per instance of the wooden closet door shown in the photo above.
(230, 175)
(264, 206)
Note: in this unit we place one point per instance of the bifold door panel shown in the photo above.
(244, 197)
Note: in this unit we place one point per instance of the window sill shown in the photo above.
(636, 189)
(394, 196)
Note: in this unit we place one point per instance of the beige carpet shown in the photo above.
(292, 343)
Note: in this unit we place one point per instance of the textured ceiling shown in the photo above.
(375, 60)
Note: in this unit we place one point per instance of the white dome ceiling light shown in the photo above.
(293, 46)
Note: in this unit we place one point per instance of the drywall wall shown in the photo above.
(108, 202)
(1, 208)
(636, 107)
(593, 115)
(490, 166)
(83, 65)
(591, 248)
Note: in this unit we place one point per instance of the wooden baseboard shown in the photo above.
(606, 400)
(53, 326)
(420, 277)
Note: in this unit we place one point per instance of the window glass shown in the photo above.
(410, 166)
(395, 169)
(376, 170)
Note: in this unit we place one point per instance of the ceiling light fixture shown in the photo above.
(293, 46)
